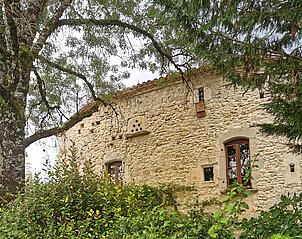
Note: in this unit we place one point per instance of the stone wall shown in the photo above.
(154, 130)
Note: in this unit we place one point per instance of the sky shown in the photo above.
(38, 152)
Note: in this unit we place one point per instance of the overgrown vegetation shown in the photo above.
(75, 202)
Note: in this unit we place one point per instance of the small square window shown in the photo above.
(200, 95)
(208, 174)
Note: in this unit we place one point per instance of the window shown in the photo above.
(200, 95)
(237, 161)
(208, 174)
(115, 172)
(200, 104)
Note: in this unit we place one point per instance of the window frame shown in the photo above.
(201, 94)
(237, 143)
(116, 164)
(212, 172)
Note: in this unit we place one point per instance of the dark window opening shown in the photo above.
(292, 168)
(115, 172)
(98, 123)
(238, 162)
(200, 95)
(208, 174)
(261, 95)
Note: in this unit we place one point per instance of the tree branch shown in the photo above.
(35, 7)
(11, 12)
(69, 71)
(81, 22)
(30, 16)
(12, 27)
(3, 92)
(42, 91)
(87, 111)
(4, 53)
(247, 44)
(50, 27)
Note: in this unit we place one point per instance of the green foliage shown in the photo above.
(227, 218)
(77, 203)
(280, 236)
(95, 46)
(253, 44)
(284, 218)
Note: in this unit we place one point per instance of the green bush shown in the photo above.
(77, 203)
(283, 219)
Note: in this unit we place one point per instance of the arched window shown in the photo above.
(237, 161)
(115, 172)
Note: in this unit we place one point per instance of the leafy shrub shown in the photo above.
(77, 203)
(283, 219)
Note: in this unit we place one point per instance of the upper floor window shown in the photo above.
(115, 172)
(201, 95)
(237, 161)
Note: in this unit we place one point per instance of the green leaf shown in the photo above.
(244, 205)
(223, 220)
(228, 207)
(247, 192)
(226, 198)
(217, 214)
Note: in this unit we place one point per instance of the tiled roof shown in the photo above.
(162, 81)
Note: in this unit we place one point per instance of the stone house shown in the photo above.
(161, 131)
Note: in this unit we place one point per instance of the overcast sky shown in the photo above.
(39, 151)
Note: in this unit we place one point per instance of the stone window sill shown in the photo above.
(135, 134)
(209, 182)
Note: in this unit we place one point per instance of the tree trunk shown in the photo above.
(12, 151)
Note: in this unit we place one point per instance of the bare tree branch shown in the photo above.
(87, 111)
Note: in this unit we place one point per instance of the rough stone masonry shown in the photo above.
(162, 133)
